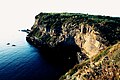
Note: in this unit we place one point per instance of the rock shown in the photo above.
(27, 30)
(13, 45)
(8, 43)
(88, 36)
(69, 33)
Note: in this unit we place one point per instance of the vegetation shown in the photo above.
(105, 66)
(102, 54)
(59, 30)
(108, 27)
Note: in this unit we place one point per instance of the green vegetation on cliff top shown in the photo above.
(95, 67)
(108, 27)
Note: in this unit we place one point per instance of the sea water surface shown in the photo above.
(23, 61)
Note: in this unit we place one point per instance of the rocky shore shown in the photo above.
(71, 38)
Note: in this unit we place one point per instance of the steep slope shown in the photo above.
(91, 33)
(103, 66)
(74, 37)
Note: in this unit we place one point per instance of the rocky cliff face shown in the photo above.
(86, 31)
(71, 34)
(104, 66)
(86, 39)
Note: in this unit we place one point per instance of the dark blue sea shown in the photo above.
(23, 61)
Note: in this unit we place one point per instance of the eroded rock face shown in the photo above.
(86, 39)
(107, 67)
(72, 36)
(70, 29)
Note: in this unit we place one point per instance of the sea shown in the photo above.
(21, 61)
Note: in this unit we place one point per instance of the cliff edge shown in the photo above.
(74, 35)
(91, 33)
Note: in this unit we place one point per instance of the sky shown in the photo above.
(20, 14)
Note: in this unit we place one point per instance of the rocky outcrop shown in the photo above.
(104, 66)
(69, 29)
(86, 39)
(72, 36)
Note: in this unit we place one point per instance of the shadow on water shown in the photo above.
(25, 62)
(62, 57)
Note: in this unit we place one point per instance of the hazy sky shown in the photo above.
(15, 14)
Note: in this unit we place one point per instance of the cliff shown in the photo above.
(103, 66)
(72, 36)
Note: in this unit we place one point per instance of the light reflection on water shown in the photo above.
(23, 61)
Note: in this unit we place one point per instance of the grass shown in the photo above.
(107, 26)
(99, 55)
(113, 54)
